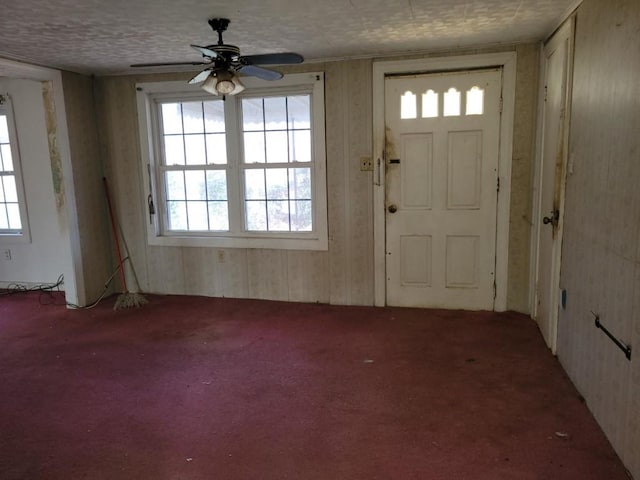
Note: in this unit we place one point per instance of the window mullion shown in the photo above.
(235, 189)
(184, 177)
(266, 191)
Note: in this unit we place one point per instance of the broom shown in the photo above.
(126, 299)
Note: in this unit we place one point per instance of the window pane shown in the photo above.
(214, 116)
(218, 216)
(301, 215)
(10, 192)
(192, 117)
(2, 197)
(254, 188)
(429, 104)
(299, 111)
(7, 160)
(173, 150)
(277, 184)
(278, 214)
(254, 147)
(252, 114)
(171, 118)
(198, 217)
(13, 212)
(194, 146)
(300, 146)
(451, 102)
(277, 147)
(4, 220)
(195, 185)
(256, 215)
(475, 101)
(275, 113)
(177, 212)
(300, 183)
(217, 185)
(408, 105)
(216, 149)
(175, 186)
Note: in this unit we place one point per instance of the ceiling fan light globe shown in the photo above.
(210, 84)
(225, 87)
(239, 87)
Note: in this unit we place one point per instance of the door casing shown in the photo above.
(506, 60)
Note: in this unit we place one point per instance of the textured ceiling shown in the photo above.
(106, 36)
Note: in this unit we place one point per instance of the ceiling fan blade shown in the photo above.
(263, 73)
(200, 77)
(207, 52)
(272, 59)
(167, 64)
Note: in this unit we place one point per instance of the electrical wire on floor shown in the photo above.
(48, 290)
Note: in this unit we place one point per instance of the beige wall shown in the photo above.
(92, 220)
(46, 256)
(342, 275)
(601, 250)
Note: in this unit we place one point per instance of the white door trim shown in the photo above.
(506, 60)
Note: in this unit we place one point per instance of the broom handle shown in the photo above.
(115, 235)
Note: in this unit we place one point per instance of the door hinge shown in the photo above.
(545, 93)
(501, 103)
(495, 290)
(498, 187)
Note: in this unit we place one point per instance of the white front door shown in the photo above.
(441, 154)
(552, 174)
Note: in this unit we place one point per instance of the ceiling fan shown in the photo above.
(224, 62)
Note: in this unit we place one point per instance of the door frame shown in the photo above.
(381, 69)
(565, 30)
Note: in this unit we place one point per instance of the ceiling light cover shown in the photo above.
(223, 83)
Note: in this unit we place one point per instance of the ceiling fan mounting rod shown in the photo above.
(219, 25)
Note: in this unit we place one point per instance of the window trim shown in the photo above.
(7, 238)
(148, 93)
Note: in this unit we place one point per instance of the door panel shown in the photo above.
(417, 153)
(415, 260)
(462, 261)
(552, 166)
(442, 140)
(465, 170)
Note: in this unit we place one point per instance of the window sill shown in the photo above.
(14, 239)
(266, 242)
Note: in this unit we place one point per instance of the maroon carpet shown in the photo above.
(201, 388)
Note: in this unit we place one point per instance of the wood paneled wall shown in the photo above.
(342, 275)
(601, 250)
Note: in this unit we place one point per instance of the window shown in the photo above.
(243, 171)
(12, 204)
(452, 103)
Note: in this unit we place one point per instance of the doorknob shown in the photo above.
(392, 208)
(552, 219)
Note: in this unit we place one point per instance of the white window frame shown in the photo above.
(147, 96)
(22, 236)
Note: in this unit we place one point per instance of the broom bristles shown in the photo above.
(129, 300)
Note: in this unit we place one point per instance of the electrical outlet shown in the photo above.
(222, 256)
(7, 254)
(366, 164)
